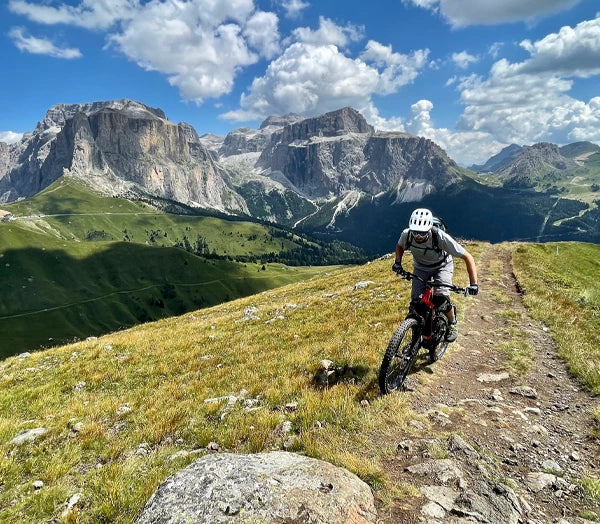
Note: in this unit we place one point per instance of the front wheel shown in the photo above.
(440, 327)
(399, 356)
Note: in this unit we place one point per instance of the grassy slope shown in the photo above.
(56, 286)
(62, 291)
(164, 371)
(562, 290)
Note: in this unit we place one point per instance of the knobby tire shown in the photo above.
(436, 353)
(399, 356)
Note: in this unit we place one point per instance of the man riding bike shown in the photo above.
(432, 250)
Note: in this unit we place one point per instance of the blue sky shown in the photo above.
(472, 75)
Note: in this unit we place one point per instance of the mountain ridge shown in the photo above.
(43, 155)
(310, 173)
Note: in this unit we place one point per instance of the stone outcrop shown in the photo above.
(28, 436)
(281, 121)
(266, 487)
(466, 485)
(212, 142)
(244, 140)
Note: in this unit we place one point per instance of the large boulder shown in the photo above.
(264, 487)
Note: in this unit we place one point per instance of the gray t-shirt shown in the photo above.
(425, 256)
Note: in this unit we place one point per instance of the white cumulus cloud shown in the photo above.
(200, 45)
(293, 8)
(465, 147)
(530, 101)
(461, 13)
(91, 14)
(262, 33)
(573, 51)
(10, 137)
(329, 33)
(41, 46)
(311, 78)
(463, 59)
(396, 69)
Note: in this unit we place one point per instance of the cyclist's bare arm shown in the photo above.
(471, 269)
(399, 252)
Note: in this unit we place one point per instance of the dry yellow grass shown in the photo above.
(139, 396)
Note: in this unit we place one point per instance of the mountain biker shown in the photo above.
(432, 250)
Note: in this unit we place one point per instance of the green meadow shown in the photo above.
(562, 290)
(76, 264)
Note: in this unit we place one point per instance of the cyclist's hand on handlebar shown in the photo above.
(397, 268)
(473, 289)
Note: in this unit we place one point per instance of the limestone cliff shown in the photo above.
(247, 140)
(119, 147)
(281, 172)
(324, 157)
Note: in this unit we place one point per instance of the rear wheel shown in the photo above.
(399, 356)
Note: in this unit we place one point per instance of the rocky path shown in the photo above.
(501, 446)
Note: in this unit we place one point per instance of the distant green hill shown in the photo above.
(498, 161)
(571, 171)
(70, 211)
(75, 264)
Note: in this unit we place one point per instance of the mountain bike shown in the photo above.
(425, 326)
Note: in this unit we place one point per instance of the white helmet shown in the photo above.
(421, 220)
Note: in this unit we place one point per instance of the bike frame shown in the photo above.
(426, 320)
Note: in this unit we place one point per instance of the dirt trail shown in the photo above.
(513, 436)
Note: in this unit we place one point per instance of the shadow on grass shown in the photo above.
(51, 297)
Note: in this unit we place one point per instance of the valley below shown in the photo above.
(76, 264)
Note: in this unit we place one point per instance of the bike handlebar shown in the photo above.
(407, 275)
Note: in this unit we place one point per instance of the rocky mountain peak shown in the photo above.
(500, 160)
(189, 132)
(58, 114)
(119, 147)
(212, 142)
(246, 140)
(334, 123)
(545, 148)
(281, 121)
(532, 159)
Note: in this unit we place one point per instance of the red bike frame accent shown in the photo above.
(426, 299)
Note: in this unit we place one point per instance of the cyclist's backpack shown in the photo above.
(438, 224)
